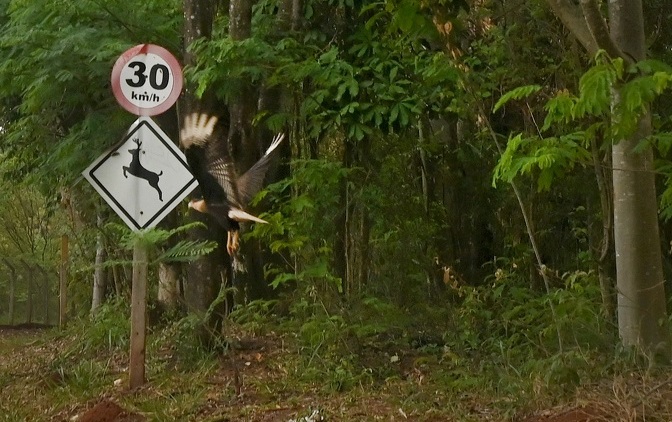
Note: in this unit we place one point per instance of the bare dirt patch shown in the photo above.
(108, 411)
(583, 414)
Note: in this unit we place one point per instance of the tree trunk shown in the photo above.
(604, 251)
(203, 277)
(169, 272)
(639, 274)
(99, 273)
(271, 100)
(169, 278)
(639, 269)
(641, 295)
(357, 249)
(245, 148)
(355, 230)
(289, 15)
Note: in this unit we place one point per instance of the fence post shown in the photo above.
(12, 290)
(45, 278)
(29, 304)
(63, 281)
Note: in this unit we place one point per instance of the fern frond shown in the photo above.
(187, 251)
(187, 227)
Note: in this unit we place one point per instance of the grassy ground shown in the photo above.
(48, 375)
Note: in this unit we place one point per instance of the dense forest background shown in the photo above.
(448, 179)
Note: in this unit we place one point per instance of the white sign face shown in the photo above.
(146, 80)
(144, 177)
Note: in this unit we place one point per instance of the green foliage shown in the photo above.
(595, 87)
(516, 94)
(607, 94)
(181, 339)
(391, 109)
(301, 229)
(182, 251)
(547, 158)
(499, 338)
(371, 86)
(26, 221)
(55, 60)
(106, 331)
(354, 89)
(512, 329)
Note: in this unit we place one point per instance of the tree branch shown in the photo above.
(573, 18)
(599, 30)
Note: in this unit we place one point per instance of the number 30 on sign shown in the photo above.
(146, 80)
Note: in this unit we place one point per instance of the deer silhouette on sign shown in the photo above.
(137, 170)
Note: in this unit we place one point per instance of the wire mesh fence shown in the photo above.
(28, 293)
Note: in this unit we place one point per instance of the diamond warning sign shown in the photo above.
(144, 177)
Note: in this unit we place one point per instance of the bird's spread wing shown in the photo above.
(197, 130)
(223, 171)
(207, 159)
(250, 183)
(214, 170)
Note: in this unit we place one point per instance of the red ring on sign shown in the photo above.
(173, 64)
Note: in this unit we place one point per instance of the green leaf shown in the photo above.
(595, 91)
(516, 94)
(559, 109)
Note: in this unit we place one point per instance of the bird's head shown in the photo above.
(199, 205)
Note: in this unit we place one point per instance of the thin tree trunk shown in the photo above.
(169, 272)
(356, 224)
(99, 273)
(604, 258)
(169, 278)
(29, 302)
(45, 279)
(118, 291)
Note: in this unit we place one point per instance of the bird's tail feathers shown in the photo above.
(197, 129)
(276, 141)
(240, 215)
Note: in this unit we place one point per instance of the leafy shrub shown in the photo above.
(108, 330)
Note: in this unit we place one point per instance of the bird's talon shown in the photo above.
(232, 242)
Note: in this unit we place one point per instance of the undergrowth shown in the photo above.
(499, 338)
(494, 344)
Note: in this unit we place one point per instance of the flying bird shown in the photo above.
(224, 194)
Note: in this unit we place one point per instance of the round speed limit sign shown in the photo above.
(146, 80)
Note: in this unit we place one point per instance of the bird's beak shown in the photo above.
(241, 216)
